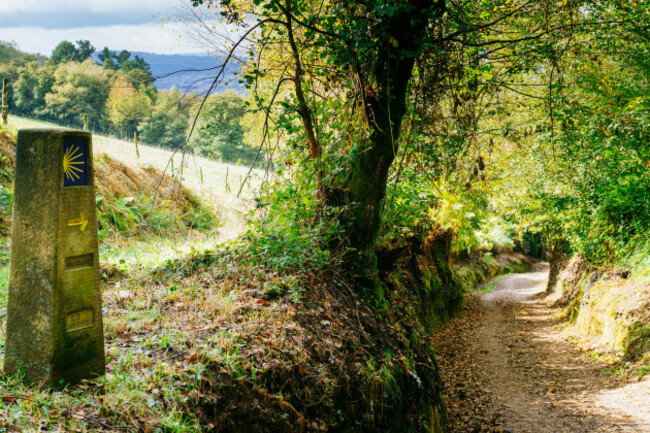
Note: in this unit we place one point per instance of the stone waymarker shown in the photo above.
(54, 319)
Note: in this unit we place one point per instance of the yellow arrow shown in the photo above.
(83, 222)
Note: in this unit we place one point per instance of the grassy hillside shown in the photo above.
(220, 185)
(132, 178)
(214, 172)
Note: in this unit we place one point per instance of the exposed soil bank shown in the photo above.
(508, 367)
(608, 307)
(314, 354)
(476, 269)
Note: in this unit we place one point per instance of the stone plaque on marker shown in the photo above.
(54, 331)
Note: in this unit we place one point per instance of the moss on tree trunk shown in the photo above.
(385, 96)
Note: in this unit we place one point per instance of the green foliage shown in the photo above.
(637, 342)
(465, 214)
(167, 123)
(141, 80)
(126, 106)
(586, 164)
(119, 98)
(300, 249)
(79, 89)
(418, 206)
(9, 53)
(66, 51)
(282, 235)
(409, 202)
(24, 97)
(6, 203)
(220, 133)
(30, 87)
(122, 60)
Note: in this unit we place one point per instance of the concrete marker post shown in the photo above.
(54, 333)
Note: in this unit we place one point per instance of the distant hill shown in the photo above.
(9, 52)
(188, 72)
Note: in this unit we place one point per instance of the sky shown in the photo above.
(37, 26)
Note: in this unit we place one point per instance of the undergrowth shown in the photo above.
(131, 200)
(227, 340)
(139, 215)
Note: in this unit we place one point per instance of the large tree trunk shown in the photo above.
(385, 95)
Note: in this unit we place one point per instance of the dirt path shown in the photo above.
(508, 368)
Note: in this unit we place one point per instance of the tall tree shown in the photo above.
(166, 125)
(220, 134)
(79, 89)
(122, 57)
(360, 57)
(65, 51)
(24, 97)
(84, 50)
(126, 107)
(106, 57)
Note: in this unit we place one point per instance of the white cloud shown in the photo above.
(97, 6)
(153, 38)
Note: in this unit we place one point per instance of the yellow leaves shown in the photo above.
(125, 104)
(636, 103)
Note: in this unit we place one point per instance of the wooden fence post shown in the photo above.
(135, 140)
(5, 100)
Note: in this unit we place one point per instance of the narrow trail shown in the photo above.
(508, 367)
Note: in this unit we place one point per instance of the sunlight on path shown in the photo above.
(631, 401)
(542, 380)
(518, 287)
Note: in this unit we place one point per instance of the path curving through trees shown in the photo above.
(508, 367)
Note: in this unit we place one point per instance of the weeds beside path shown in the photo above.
(509, 368)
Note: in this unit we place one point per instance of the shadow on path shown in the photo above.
(508, 367)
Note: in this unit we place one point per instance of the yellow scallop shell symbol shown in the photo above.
(73, 163)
